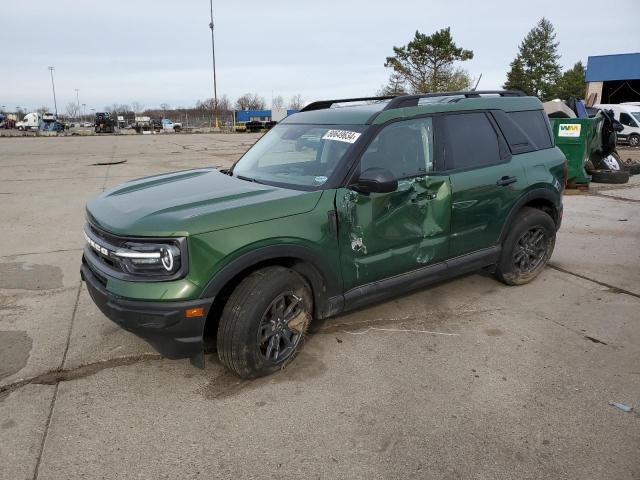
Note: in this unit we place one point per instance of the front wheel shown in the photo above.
(527, 248)
(264, 322)
(634, 140)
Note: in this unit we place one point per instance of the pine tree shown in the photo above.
(572, 83)
(426, 63)
(516, 78)
(536, 67)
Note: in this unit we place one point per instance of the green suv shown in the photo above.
(337, 206)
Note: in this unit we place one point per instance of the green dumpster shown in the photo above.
(580, 139)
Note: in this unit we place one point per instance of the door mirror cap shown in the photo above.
(376, 180)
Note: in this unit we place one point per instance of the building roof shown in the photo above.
(374, 113)
(623, 66)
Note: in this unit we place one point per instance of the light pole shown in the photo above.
(213, 57)
(84, 112)
(77, 101)
(55, 104)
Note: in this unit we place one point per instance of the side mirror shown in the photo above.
(376, 180)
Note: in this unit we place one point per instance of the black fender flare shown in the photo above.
(325, 283)
(553, 197)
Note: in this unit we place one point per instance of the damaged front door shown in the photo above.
(385, 234)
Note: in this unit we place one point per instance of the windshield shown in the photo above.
(636, 115)
(297, 156)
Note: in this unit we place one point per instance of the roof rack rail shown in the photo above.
(412, 100)
(323, 104)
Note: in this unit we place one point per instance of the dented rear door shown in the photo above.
(382, 235)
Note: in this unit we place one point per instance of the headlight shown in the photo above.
(150, 258)
(144, 259)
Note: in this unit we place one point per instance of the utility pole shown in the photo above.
(55, 104)
(213, 57)
(77, 100)
(84, 112)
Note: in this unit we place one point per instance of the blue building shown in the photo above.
(613, 78)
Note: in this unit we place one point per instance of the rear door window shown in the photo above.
(534, 124)
(471, 141)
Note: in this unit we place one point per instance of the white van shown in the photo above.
(629, 116)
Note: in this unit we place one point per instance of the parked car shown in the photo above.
(391, 196)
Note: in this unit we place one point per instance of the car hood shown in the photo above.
(192, 202)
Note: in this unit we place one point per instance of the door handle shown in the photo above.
(424, 196)
(504, 181)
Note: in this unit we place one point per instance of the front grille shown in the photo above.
(111, 243)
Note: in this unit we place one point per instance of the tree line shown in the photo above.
(431, 63)
(204, 111)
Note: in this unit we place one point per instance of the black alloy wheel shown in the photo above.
(278, 333)
(530, 250)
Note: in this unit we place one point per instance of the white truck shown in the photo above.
(31, 121)
(169, 125)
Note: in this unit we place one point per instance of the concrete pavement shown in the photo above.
(469, 379)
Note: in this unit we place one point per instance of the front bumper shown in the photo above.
(163, 325)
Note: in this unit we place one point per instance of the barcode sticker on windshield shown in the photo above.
(341, 136)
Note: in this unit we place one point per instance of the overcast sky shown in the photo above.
(117, 51)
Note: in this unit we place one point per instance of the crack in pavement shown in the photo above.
(614, 197)
(54, 377)
(42, 253)
(611, 288)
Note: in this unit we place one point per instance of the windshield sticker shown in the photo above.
(319, 180)
(341, 136)
(569, 130)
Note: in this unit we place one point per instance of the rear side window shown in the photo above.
(471, 141)
(534, 124)
(626, 119)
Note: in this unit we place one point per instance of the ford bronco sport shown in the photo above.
(335, 207)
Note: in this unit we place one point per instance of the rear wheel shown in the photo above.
(634, 140)
(527, 248)
(264, 322)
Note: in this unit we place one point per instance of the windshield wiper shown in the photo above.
(249, 179)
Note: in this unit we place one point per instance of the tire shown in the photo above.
(633, 169)
(634, 140)
(609, 176)
(530, 241)
(254, 337)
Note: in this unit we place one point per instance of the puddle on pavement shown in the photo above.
(29, 276)
(15, 347)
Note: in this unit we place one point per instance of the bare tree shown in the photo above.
(250, 101)
(42, 109)
(277, 102)
(137, 107)
(296, 102)
(164, 106)
(395, 86)
(72, 110)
